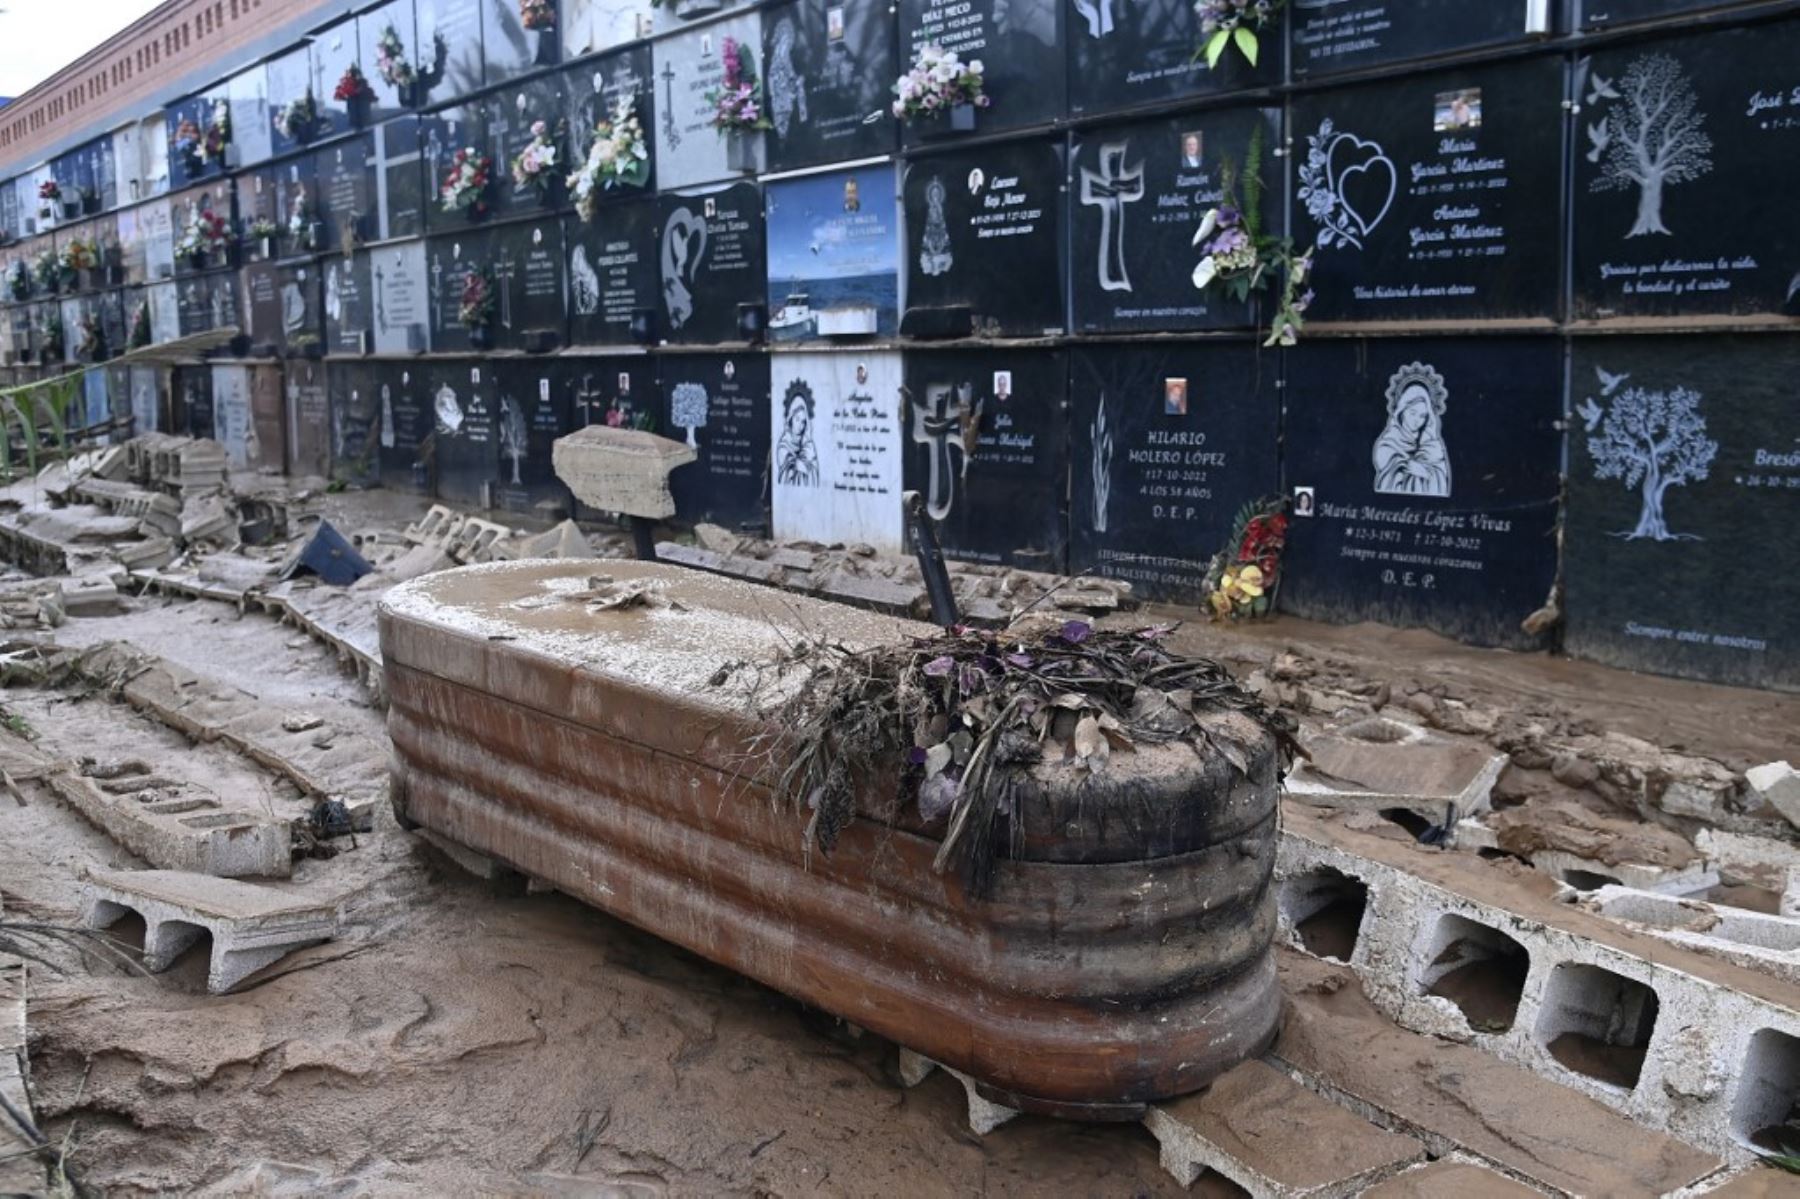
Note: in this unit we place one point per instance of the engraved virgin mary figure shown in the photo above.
(934, 247)
(1410, 455)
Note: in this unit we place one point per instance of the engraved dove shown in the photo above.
(1591, 413)
(1601, 89)
(1599, 138)
(1610, 382)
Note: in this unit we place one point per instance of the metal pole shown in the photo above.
(931, 561)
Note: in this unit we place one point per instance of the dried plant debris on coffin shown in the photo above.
(953, 723)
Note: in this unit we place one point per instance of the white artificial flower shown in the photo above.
(1203, 273)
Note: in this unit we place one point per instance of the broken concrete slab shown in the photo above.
(250, 926)
(192, 833)
(1455, 1097)
(1275, 1138)
(1778, 785)
(566, 540)
(621, 470)
(984, 1114)
(1755, 940)
(346, 765)
(1412, 770)
(1450, 1178)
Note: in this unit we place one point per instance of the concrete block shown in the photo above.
(620, 470)
(193, 834)
(250, 926)
(566, 540)
(1778, 785)
(1275, 1138)
(1450, 1178)
(1421, 773)
(1580, 974)
(1755, 940)
(984, 1114)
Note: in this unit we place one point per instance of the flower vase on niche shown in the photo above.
(481, 337)
(740, 151)
(962, 118)
(90, 202)
(359, 107)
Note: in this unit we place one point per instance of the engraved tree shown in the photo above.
(1653, 440)
(515, 438)
(1652, 137)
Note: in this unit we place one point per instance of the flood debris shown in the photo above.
(957, 718)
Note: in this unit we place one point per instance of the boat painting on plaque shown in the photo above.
(836, 429)
(1668, 135)
(1428, 197)
(834, 250)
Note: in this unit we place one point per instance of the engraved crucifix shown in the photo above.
(1109, 189)
(937, 425)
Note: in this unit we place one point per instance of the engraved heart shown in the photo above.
(1363, 179)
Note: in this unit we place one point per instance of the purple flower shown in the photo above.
(1077, 631)
(939, 668)
(1022, 661)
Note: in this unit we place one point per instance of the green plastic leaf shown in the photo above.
(1246, 41)
(1216, 47)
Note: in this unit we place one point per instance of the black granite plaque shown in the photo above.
(347, 191)
(1606, 14)
(206, 302)
(592, 91)
(109, 309)
(146, 399)
(404, 426)
(1424, 482)
(355, 423)
(1004, 502)
(400, 286)
(1684, 501)
(527, 265)
(512, 116)
(302, 311)
(388, 50)
(612, 272)
(449, 260)
(617, 390)
(719, 403)
(308, 419)
(450, 33)
(1019, 44)
(259, 200)
(1167, 445)
(334, 50)
(465, 406)
(712, 260)
(535, 399)
(1125, 55)
(1669, 135)
(443, 133)
(509, 48)
(262, 307)
(1434, 197)
(984, 233)
(297, 208)
(400, 171)
(830, 67)
(349, 303)
(1331, 36)
(192, 389)
(1138, 194)
(290, 83)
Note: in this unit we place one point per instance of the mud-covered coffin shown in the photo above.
(1124, 957)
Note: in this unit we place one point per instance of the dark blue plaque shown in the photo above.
(535, 398)
(593, 90)
(1125, 55)
(1424, 481)
(1138, 194)
(449, 260)
(1669, 133)
(443, 134)
(400, 170)
(404, 426)
(612, 273)
(349, 303)
(1166, 444)
(1433, 197)
(986, 441)
(1019, 44)
(830, 67)
(719, 403)
(355, 424)
(1684, 501)
(465, 406)
(712, 260)
(513, 117)
(1331, 36)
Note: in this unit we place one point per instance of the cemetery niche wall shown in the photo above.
(836, 425)
(1665, 222)
(1430, 197)
(1138, 193)
(1683, 519)
(833, 253)
(986, 445)
(1423, 478)
(984, 241)
(1167, 443)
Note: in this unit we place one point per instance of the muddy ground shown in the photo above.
(454, 1041)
